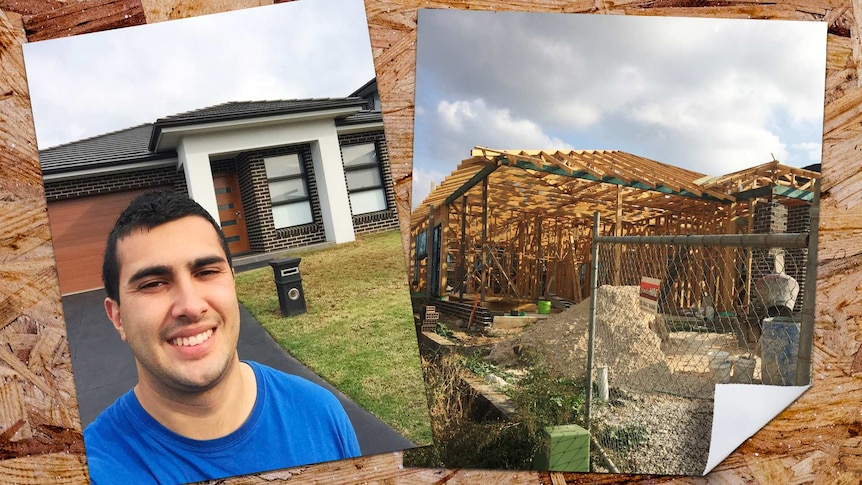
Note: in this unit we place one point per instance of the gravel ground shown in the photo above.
(655, 433)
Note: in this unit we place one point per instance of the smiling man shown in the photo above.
(197, 411)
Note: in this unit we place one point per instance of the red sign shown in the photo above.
(649, 291)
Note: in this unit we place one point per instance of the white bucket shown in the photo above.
(743, 370)
(719, 366)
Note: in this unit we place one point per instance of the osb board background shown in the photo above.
(818, 439)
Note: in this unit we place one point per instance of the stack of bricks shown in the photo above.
(432, 316)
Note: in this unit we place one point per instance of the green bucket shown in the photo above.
(543, 307)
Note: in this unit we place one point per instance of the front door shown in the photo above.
(230, 212)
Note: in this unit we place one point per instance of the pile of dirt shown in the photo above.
(647, 426)
(625, 341)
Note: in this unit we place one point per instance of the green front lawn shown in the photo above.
(358, 333)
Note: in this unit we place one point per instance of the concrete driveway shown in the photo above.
(104, 367)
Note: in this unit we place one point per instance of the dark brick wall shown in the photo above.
(796, 260)
(770, 218)
(251, 174)
(223, 166)
(263, 236)
(799, 218)
(95, 185)
(381, 220)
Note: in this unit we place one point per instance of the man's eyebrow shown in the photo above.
(142, 273)
(162, 270)
(206, 261)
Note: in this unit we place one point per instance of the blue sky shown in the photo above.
(710, 95)
(92, 84)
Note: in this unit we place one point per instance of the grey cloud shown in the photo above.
(713, 95)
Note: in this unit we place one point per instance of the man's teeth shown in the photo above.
(193, 340)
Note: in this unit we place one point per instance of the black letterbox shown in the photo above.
(288, 284)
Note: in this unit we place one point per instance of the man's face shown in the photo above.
(179, 311)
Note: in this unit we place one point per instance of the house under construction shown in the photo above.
(509, 227)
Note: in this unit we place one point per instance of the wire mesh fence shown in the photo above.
(673, 316)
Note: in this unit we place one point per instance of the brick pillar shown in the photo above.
(798, 221)
(769, 218)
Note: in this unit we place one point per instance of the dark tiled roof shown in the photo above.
(239, 110)
(360, 118)
(136, 144)
(250, 109)
(366, 88)
(124, 146)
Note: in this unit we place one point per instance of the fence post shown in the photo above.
(806, 328)
(594, 278)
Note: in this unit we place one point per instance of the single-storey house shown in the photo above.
(276, 174)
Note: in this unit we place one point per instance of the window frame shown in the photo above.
(377, 163)
(302, 175)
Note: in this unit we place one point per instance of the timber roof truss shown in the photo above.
(578, 183)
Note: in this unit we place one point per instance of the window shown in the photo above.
(421, 250)
(364, 178)
(420, 254)
(288, 191)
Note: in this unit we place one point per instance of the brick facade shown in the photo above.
(770, 218)
(101, 184)
(796, 260)
(384, 220)
(262, 234)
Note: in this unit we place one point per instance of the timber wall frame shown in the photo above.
(518, 224)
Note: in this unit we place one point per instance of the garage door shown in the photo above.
(80, 229)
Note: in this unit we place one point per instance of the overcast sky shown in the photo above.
(710, 95)
(93, 84)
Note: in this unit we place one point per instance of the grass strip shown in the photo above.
(358, 332)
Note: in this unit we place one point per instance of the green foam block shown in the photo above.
(567, 449)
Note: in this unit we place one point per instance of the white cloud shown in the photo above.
(446, 134)
(492, 127)
(812, 149)
(95, 83)
(423, 181)
(729, 147)
(453, 115)
(576, 114)
(720, 126)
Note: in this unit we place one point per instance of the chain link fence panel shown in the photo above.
(672, 317)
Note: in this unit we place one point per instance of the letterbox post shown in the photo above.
(288, 285)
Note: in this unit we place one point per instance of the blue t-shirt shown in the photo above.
(294, 422)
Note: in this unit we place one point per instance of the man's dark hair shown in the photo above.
(147, 211)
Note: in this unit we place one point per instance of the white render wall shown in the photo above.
(199, 177)
(195, 148)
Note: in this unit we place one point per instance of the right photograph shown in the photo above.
(613, 235)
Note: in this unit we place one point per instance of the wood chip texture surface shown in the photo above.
(817, 440)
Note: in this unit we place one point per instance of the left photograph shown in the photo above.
(224, 224)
